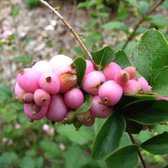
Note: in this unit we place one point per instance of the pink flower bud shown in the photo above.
(132, 87)
(6, 34)
(132, 71)
(74, 98)
(111, 70)
(144, 84)
(110, 92)
(122, 77)
(93, 81)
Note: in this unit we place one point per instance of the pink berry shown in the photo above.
(132, 71)
(98, 109)
(18, 90)
(41, 97)
(28, 80)
(87, 119)
(110, 92)
(59, 61)
(42, 67)
(50, 82)
(89, 67)
(122, 77)
(132, 87)
(111, 70)
(57, 109)
(34, 112)
(74, 98)
(93, 81)
(144, 84)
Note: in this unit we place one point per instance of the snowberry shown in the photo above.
(111, 70)
(89, 67)
(25, 98)
(57, 108)
(110, 92)
(122, 77)
(42, 67)
(34, 112)
(132, 71)
(87, 119)
(59, 61)
(28, 80)
(74, 98)
(18, 90)
(132, 87)
(98, 109)
(50, 82)
(93, 81)
(41, 97)
(144, 84)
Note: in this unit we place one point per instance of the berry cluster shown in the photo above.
(49, 89)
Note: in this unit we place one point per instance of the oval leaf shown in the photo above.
(147, 112)
(103, 57)
(109, 136)
(122, 59)
(126, 157)
(157, 145)
(80, 65)
(151, 55)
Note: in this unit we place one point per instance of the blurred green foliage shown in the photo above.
(26, 145)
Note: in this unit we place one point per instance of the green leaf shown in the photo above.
(160, 21)
(126, 157)
(85, 106)
(27, 162)
(74, 157)
(15, 10)
(109, 136)
(80, 65)
(147, 112)
(161, 83)
(157, 145)
(103, 57)
(116, 25)
(122, 59)
(51, 149)
(151, 55)
(133, 127)
(81, 137)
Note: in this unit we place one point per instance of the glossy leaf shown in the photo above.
(80, 65)
(147, 112)
(157, 145)
(109, 136)
(85, 106)
(103, 57)
(122, 59)
(151, 55)
(126, 157)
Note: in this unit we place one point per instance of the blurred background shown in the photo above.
(30, 32)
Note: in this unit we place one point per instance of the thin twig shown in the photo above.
(151, 10)
(139, 153)
(70, 29)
